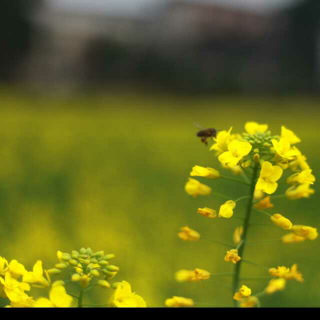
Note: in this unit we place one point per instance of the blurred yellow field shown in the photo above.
(108, 172)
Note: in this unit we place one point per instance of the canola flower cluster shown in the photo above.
(86, 268)
(261, 159)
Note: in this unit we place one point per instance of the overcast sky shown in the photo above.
(135, 6)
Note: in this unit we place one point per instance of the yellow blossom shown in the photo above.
(188, 234)
(16, 269)
(281, 221)
(192, 275)
(292, 238)
(3, 266)
(58, 299)
(24, 302)
(237, 235)
(207, 212)
(185, 276)
(244, 292)
(123, 297)
(264, 204)
(298, 192)
(222, 140)
(275, 285)
(299, 161)
(14, 289)
(305, 232)
(304, 177)
(176, 302)
(195, 188)
(232, 256)
(36, 277)
(236, 151)
(210, 173)
(249, 302)
(286, 273)
(289, 135)
(253, 127)
(279, 271)
(268, 176)
(294, 274)
(283, 149)
(226, 210)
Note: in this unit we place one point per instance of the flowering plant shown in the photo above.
(261, 159)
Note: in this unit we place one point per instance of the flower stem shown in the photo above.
(237, 269)
(80, 299)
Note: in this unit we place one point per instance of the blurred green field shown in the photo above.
(108, 172)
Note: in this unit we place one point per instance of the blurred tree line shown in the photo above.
(16, 30)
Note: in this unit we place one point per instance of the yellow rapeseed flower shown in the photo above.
(226, 210)
(13, 289)
(294, 274)
(275, 285)
(288, 134)
(237, 235)
(123, 297)
(304, 177)
(221, 141)
(249, 302)
(269, 174)
(299, 161)
(264, 204)
(298, 192)
(36, 277)
(258, 194)
(284, 150)
(236, 151)
(58, 299)
(279, 272)
(207, 212)
(253, 127)
(232, 256)
(16, 269)
(3, 266)
(244, 292)
(188, 234)
(292, 238)
(210, 173)
(281, 221)
(192, 275)
(305, 232)
(176, 302)
(195, 188)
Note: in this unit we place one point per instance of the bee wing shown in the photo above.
(197, 125)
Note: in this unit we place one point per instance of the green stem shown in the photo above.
(237, 269)
(80, 299)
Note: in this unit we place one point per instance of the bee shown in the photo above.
(205, 134)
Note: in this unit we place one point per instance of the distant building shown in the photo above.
(181, 43)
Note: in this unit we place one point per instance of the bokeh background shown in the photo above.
(97, 137)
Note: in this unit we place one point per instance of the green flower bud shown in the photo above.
(66, 257)
(266, 144)
(83, 251)
(94, 260)
(103, 263)
(251, 141)
(53, 271)
(98, 254)
(61, 266)
(73, 262)
(108, 274)
(89, 251)
(109, 256)
(86, 262)
(104, 284)
(75, 277)
(74, 254)
(256, 151)
(95, 273)
(112, 268)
